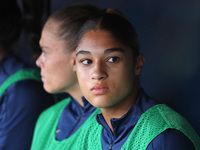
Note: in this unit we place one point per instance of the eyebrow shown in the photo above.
(82, 52)
(110, 50)
(43, 47)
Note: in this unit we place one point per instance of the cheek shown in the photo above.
(83, 78)
(59, 62)
(48, 61)
(123, 78)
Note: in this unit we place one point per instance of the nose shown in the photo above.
(39, 61)
(99, 72)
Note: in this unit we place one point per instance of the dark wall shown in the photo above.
(169, 33)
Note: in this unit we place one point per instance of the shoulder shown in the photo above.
(15, 79)
(54, 110)
(171, 140)
(28, 92)
(49, 117)
(11, 64)
(166, 128)
(171, 129)
(26, 85)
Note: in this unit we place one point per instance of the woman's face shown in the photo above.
(105, 69)
(55, 61)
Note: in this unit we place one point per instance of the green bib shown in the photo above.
(155, 121)
(152, 123)
(20, 75)
(45, 132)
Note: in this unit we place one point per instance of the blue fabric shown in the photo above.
(20, 106)
(168, 140)
(72, 117)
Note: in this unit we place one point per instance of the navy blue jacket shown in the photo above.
(168, 140)
(72, 117)
(20, 106)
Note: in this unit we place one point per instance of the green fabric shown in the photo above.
(45, 131)
(153, 122)
(22, 74)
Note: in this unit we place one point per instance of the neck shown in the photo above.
(76, 93)
(120, 109)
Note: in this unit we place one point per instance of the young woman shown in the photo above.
(108, 65)
(58, 127)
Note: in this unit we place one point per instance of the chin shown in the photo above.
(48, 90)
(100, 102)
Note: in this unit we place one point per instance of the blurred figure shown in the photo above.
(59, 126)
(22, 97)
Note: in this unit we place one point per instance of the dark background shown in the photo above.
(169, 34)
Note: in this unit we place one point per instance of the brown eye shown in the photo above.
(113, 59)
(86, 61)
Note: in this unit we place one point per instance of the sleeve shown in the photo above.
(171, 140)
(20, 107)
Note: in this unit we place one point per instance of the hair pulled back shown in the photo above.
(70, 20)
(119, 27)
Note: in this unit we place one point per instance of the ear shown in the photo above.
(139, 64)
(74, 61)
(74, 65)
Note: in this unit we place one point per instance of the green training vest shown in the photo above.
(20, 75)
(45, 132)
(152, 123)
(155, 121)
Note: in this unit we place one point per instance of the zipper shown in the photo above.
(110, 147)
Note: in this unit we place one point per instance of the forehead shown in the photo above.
(49, 32)
(51, 25)
(96, 38)
(99, 40)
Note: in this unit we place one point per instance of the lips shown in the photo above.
(42, 77)
(99, 89)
